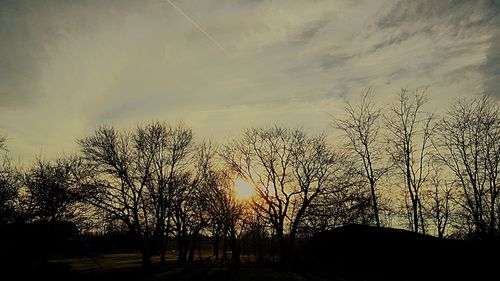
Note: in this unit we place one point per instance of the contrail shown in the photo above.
(199, 28)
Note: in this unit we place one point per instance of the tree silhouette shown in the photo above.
(289, 170)
(10, 185)
(53, 190)
(361, 127)
(439, 197)
(135, 177)
(166, 152)
(3, 145)
(186, 212)
(410, 130)
(226, 214)
(469, 145)
(120, 181)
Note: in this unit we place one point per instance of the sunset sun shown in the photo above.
(243, 189)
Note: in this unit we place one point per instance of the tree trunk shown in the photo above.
(161, 240)
(163, 250)
(440, 232)
(375, 204)
(216, 247)
(291, 241)
(235, 251)
(422, 223)
(284, 254)
(164, 244)
(146, 253)
(295, 228)
(256, 244)
(492, 208)
(415, 215)
(192, 248)
(182, 248)
(224, 249)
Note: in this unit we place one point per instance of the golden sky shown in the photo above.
(224, 65)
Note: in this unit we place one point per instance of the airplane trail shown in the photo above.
(199, 28)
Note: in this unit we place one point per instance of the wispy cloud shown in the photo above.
(66, 67)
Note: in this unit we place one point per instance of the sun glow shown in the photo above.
(243, 189)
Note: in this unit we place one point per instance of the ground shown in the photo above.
(128, 267)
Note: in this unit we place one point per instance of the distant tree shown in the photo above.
(410, 131)
(361, 127)
(344, 206)
(169, 149)
(205, 199)
(212, 198)
(10, 184)
(258, 233)
(439, 197)
(3, 140)
(227, 214)
(53, 191)
(288, 169)
(211, 181)
(135, 176)
(186, 213)
(469, 145)
(237, 225)
(119, 180)
(353, 206)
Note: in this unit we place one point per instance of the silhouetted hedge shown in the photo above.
(365, 252)
(32, 244)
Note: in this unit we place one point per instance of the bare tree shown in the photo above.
(214, 194)
(186, 213)
(10, 185)
(227, 214)
(410, 130)
(194, 202)
(53, 191)
(344, 206)
(439, 199)
(210, 195)
(168, 148)
(288, 170)
(361, 127)
(215, 198)
(3, 140)
(136, 175)
(120, 182)
(238, 214)
(319, 172)
(469, 144)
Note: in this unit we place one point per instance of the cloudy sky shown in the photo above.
(68, 66)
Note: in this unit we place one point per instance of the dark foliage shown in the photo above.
(31, 245)
(365, 252)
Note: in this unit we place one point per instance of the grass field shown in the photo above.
(128, 267)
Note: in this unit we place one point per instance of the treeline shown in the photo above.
(395, 165)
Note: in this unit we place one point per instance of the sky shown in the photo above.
(221, 66)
